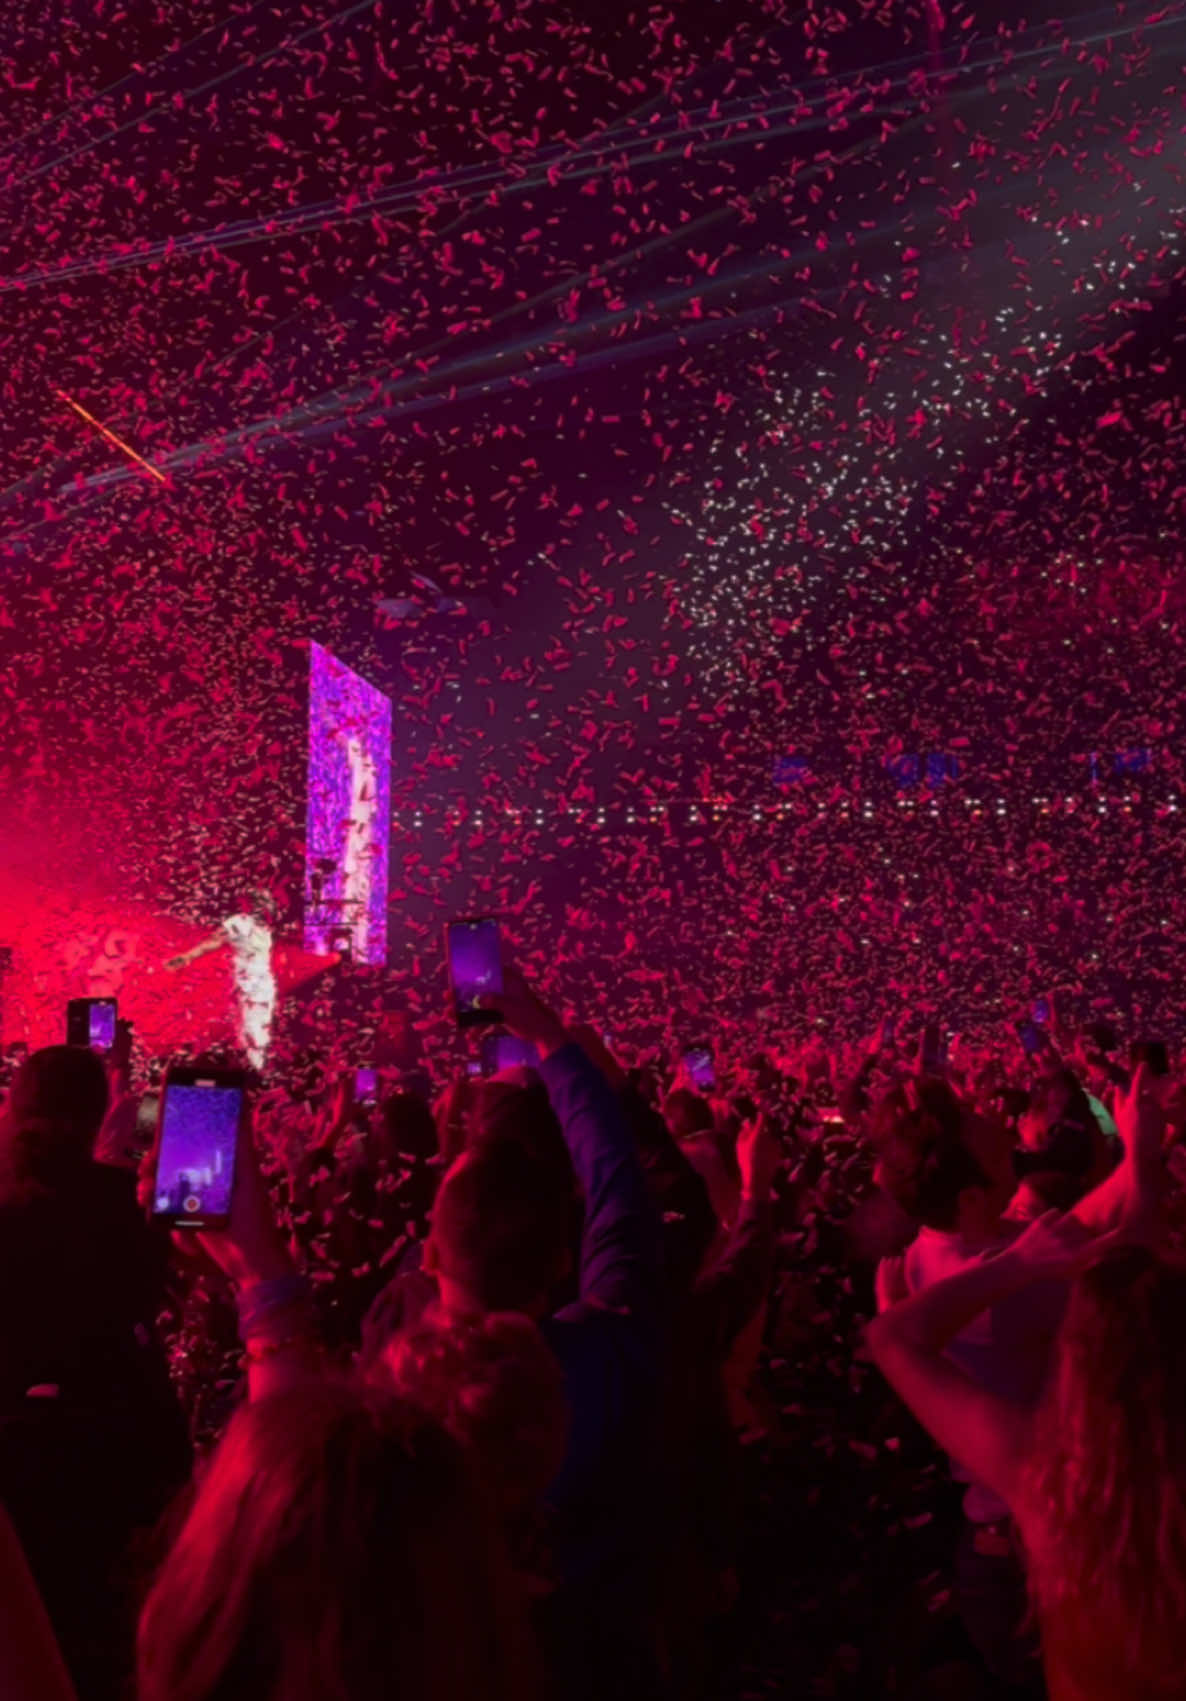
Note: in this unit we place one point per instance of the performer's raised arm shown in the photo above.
(215, 943)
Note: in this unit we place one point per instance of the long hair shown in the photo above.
(497, 1387)
(336, 1551)
(1103, 1509)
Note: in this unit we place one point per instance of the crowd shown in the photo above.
(587, 1379)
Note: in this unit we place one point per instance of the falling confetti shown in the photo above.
(745, 442)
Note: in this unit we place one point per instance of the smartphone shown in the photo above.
(1040, 1014)
(698, 1067)
(92, 1021)
(934, 1049)
(200, 1120)
(507, 1051)
(1033, 1038)
(474, 950)
(473, 1067)
(886, 1037)
(366, 1085)
(1152, 1053)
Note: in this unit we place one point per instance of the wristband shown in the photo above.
(264, 1299)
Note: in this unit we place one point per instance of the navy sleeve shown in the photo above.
(688, 1223)
(620, 1243)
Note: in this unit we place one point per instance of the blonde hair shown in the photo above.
(1103, 1506)
(335, 1551)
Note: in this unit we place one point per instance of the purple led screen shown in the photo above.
(196, 1168)
(349, 812)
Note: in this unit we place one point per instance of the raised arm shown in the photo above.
(619, 1245)
(987, 1433)
(282, 1346)
(1131, 1196)
(737, 1286)
(215, 943)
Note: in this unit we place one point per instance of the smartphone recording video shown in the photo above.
(698, 1067)
(201, 1117)
(366, 1085)
(507, 1051)
(92, 1021)
(475, 968)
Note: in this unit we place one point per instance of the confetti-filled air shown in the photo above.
(738, 446)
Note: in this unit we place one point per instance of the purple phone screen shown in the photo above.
(102, 1026)
(475, 961)
(698, 1063)
(196, 1169)
(508, 1051)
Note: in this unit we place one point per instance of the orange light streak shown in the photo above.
(111, 437)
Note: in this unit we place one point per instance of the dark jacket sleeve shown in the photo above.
(677, 1190)
(619, 1245)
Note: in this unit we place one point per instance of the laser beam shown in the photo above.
(110, 436)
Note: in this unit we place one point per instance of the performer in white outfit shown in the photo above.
(249, 935)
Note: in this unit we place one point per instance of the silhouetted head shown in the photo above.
(53, 1114)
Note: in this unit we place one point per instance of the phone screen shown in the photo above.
(1040, 1014)
(102, 1024)
(92, 1021)
(201, 1112)
(475, 967)
(366, 1083)
(1033, 1040)
(698, 1064)
(507, 1051)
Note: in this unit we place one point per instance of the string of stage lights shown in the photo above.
(701, 812)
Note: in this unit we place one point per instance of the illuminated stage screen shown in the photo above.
(349, 812)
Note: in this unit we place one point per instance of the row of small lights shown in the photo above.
(699, 813)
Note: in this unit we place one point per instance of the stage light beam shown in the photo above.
(111, 437)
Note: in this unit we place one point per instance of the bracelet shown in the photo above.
(260, 1351)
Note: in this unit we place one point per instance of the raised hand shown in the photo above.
(890, 1282)
(527, 1015)
(250, 1248)
(1057, 1246)
(1140, 1118)
(758, 1157)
